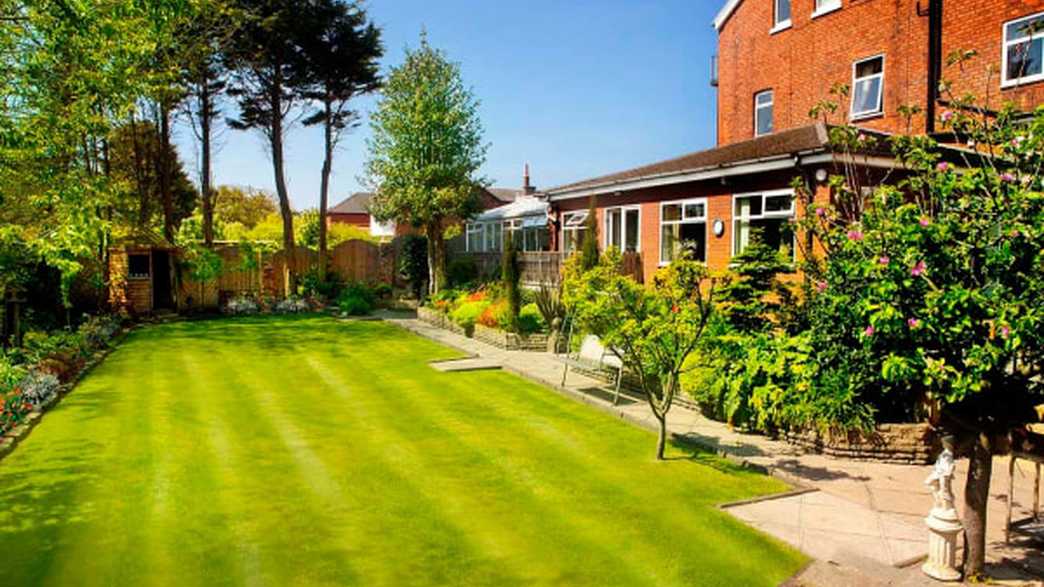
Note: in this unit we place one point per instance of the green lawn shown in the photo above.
(305, 451)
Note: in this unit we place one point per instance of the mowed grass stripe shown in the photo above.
(306, 451)
(521, 456)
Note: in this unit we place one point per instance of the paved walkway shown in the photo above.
(858, 515)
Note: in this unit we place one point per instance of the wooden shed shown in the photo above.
(141, 273)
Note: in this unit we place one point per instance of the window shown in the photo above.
(867, 87)
(530, 233)
(573, 229)
(138, 266)
(1024, 50)
(782, 15)
(622, 227)
(825, 7)
(767, 216)
(683, 226)
(763, 113)
(493, 233)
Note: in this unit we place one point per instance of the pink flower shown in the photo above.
(918, 269)
(913, 322)
(861, 138)
(1007, 177)
(821, 286)
(925, 221)
(947, 116)
(943, 166)
(1005, 332)
(821, 212)
(869, 331)
(855, 235)
(884, 260)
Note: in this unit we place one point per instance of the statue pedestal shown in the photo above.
(943, 528)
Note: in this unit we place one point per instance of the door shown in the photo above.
(162, 286)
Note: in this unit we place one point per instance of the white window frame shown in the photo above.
(852, 114)
(763, 216)
(759, 107)
(623, 227)
(474, 245)
(569, 225)
(683, 220)
(777, 24)
(1005, 44)
(823, 7)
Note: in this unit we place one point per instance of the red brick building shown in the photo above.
(776, 60)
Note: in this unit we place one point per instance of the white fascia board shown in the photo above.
(749, 167)
(725, 12)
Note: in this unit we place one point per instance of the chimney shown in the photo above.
(526, 188)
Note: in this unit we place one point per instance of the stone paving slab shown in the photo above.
(896, 492)
(476, 364)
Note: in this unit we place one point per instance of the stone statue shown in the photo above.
(943, 524)
(941, 479)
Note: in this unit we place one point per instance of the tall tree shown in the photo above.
(213, 27)
(426, 151)
(341, 63)
(266, 81)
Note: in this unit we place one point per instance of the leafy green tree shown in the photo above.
(341, 58)
(426, 151)
(654, 328)
(938, 288)
(244, 206)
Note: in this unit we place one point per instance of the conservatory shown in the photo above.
(525, 219)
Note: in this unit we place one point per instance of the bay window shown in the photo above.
(683, 227)
(1023, 50)
(622, 228)
(769, 215)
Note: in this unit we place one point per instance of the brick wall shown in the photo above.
(800, 64)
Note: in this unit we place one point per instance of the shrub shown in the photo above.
(97, 331)
(291, 306)
(494, 315)
(509, 278)
(39, 388)
(242, 305)
(413, 262)
(13, 409)
(549, 302)
(530, 320)
(357, 299)
(324, 287)
(468, 313)
(445, 300)
(461, 272)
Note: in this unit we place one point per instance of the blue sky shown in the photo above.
(576, 88)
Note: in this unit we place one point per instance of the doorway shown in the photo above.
(162, 286)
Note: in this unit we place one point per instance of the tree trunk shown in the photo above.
(206, 190)
(275, 136)
(436, 258)
(164, 162)
(661, 441)
(976, 496)
(324, 188)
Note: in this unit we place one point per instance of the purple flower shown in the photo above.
(855, 235)
(918, 269)
(1007, 177)
(884, 260)
(821, 212)
(913, 322)
(947, 116)
(821, 286)
(943, 166)
(925, 221)
(869, 331)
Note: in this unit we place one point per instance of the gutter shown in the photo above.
(935, 47)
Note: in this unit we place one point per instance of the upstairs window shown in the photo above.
(763, 113)
(782, 15)
(1024, 50)
(765, 216)
(825, 6)
(868, 87)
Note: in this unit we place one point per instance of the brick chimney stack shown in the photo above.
(526, 188)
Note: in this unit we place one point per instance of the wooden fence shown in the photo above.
(265, 274)
(545, 267)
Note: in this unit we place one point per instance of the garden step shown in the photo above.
(472, 364)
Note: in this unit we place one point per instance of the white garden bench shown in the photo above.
(593, 356)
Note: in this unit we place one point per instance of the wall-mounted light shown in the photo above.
(718, 227)
(821, 175)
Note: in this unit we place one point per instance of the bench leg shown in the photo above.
(1011, 499)
(565, 372)
(616, 395)
(1036, 495)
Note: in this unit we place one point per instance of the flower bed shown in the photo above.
(483, 314)
(34, 378)
(889, 443)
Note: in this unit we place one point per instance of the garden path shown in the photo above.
(863, 515)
